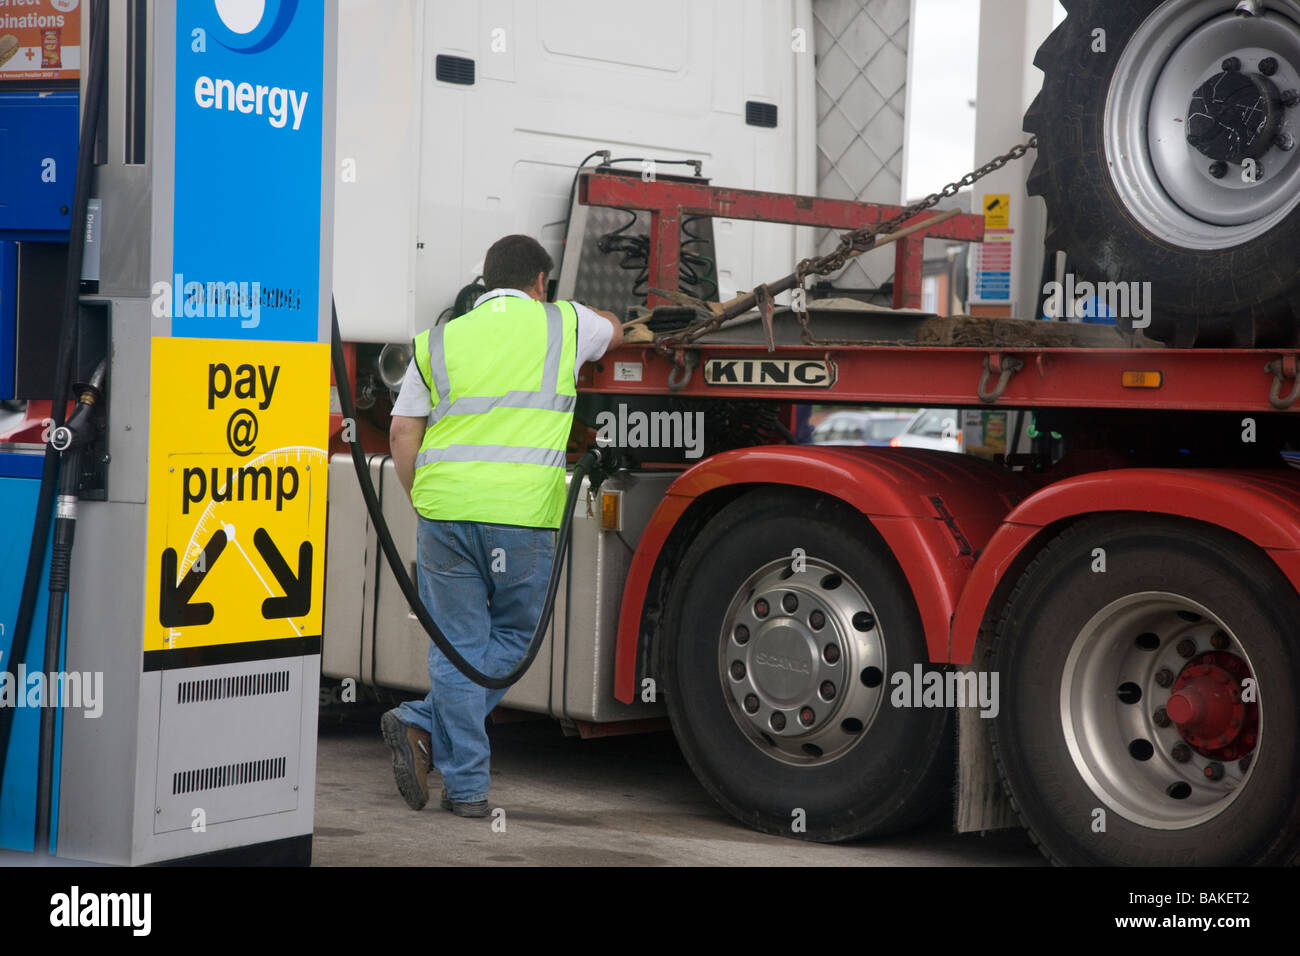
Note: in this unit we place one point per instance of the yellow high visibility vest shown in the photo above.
(502, 388)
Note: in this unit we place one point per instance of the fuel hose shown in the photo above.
(591, 465)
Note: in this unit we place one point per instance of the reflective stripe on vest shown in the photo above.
(480, 454)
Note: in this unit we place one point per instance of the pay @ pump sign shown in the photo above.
(237, 472)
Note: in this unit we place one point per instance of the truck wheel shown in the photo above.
(1166, 154)
(1151, 709)
(785, 620)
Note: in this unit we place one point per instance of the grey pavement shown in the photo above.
(612, 801)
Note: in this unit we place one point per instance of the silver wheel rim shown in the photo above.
(1126, 651)
(804, 679)
(1164, 181)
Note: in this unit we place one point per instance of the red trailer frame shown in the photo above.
(955, 525)
(669, 200)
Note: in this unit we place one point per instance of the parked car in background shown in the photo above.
(860, 428)
(937, 428)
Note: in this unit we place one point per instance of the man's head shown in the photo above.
(517, 262)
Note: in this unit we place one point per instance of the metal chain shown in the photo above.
(853, 244)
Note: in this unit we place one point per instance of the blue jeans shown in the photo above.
(484, 585)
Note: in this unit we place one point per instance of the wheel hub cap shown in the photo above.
(801, 661)
(1207, 708)
(784, 663)
(1235, 116)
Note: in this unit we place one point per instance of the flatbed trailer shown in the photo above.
(1098, 634)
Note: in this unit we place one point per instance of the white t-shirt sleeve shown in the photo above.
(594, 335)
(413, 399)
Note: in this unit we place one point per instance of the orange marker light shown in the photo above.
(1143, 379)
(611, 510)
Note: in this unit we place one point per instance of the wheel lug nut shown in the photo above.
(806, 716)
(1164, 677)
(738, 670)
(817, 620)
(1290, 97)
(751, 703)
(761, 608)
(827, 690)
(1181, 752)
(1286, 141)
(831, 653)
(742, 634)
(1268, 65)
(1232, 64)
(1218, 169)
(790, 603)
(1161, 718)
(1214, 770)
(778, 721)
(1244, 763)
(1219, 641)
(1186, 648)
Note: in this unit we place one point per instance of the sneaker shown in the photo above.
(463, 808)
(411, 751)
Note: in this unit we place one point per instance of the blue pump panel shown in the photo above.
(19, 487)
(38, 164)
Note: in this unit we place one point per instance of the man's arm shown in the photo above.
(404, 437)
(613, 320)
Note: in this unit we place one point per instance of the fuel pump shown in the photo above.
(181, 280)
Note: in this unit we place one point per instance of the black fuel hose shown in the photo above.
(95, 82)
(71, 441)
(589, 465)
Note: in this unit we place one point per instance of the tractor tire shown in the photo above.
(1152, 173)
(785, 620)
(1151, 714)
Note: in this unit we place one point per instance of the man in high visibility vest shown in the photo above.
(478, 438)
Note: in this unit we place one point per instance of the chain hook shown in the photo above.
(1004, 367)
(684, 364)
(1281, 370)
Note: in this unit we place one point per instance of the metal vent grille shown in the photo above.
(230, 775)
(454, 69)
(760, 114)
(239, 685)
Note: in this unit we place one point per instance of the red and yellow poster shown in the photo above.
(40, 39)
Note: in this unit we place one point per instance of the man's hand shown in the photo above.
(404, 437)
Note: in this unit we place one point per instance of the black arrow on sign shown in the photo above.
(297, 590)
(174, 607)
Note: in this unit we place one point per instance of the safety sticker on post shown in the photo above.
(237, 475)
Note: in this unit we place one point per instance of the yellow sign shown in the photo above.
(237, 472)
(997, 211)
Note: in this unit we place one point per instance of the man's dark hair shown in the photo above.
(514, 263)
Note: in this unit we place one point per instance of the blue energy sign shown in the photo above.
(246, 232)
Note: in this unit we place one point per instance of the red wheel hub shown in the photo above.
(1206, 706)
